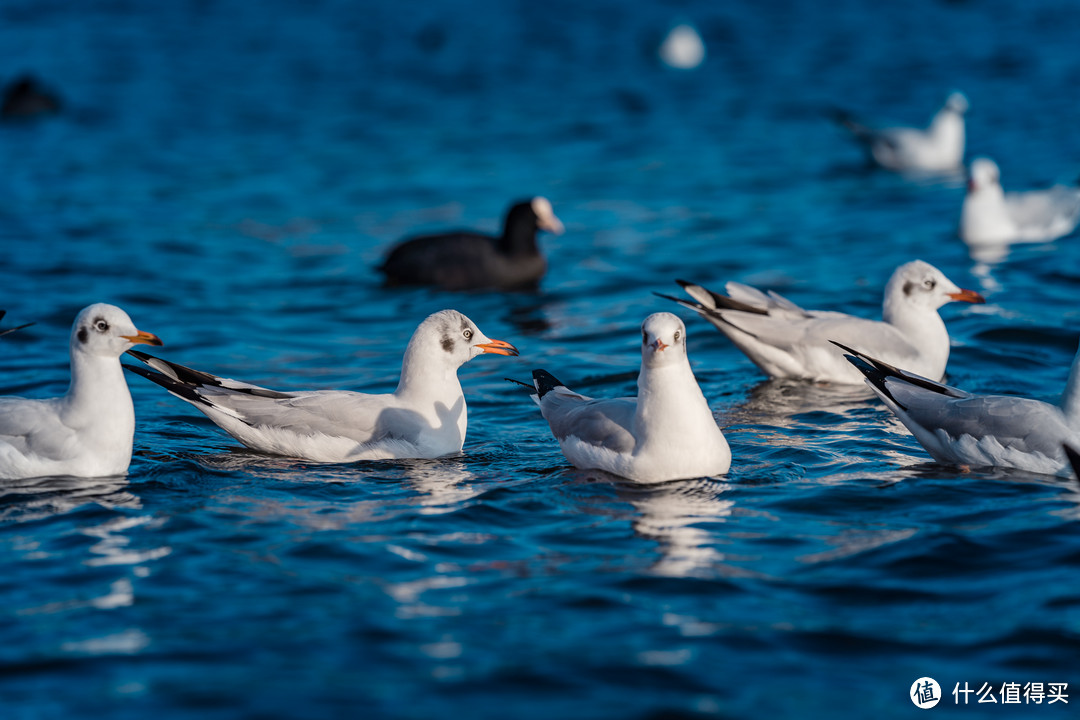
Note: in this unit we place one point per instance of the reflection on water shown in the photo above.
(673, 515)
(443, 485)
(37, 498)
(777, 402)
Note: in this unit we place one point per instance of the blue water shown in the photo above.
(229, 173)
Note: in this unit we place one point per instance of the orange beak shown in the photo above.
(498, 347)
(659, 345)
(967, 296)
(143, 338)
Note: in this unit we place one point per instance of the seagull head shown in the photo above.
(919, 284)
(983, 175)
(107, 331)
(455, 339)
(663, 340)
(957, 102)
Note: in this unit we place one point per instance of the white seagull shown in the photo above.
(938, 148)
(425, 417)
(958, 428)
(666, 433)
(991, 216)
(786, 341)
(87, 432)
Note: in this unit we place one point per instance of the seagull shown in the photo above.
(786, 341)
(464, 260)
(959, 428)
(425, 417)
(5, 331)
(87, 432)
(938, 148)
(666, 433)
(991, 216)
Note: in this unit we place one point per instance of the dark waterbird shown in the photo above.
(26, 97)
(465, 260)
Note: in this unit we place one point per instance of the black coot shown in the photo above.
(464, 260)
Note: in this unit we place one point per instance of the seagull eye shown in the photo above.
(101, 326)
(644, 337)
(678, 334)
(467, 333)
(930, 284)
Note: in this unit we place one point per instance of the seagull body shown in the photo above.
(425, 417)
(87, 432)
(991, 216)
(465, 260)
(959, 428)
(666, 433)
(786, 341)
(937, 148)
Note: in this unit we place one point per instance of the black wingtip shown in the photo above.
(1074, 460)
(180, 389)
(545, 382)
(139, 355)
(522, 384)
(672, 298)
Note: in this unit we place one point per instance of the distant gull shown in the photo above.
(958, 428)
(666, 433)
(425, 417)
(683, 48)
(938, 148)
(464, 260)
(87, 432)
(786, 341)
(991, 216)
(5, 331)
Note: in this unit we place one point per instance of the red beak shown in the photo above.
(967, 296)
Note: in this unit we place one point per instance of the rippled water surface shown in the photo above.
(230, 172)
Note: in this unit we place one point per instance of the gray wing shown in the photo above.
(1022, 424)
(1042, 214)
(33, 427)
(355, 416)
(604, 423)
(332, 412)
(796, 334)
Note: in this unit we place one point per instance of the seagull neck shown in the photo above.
(670, 405)
(98, 388)
(948, 126)
(923, 328)
(427, 379)
(1070, 399)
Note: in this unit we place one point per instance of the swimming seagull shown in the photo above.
(958, 428)
(464, 260)
(991, 216)
(786, 341)
(938, 148)
(5, 331)
(425, 417)
(666, 433)
(88, 431)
